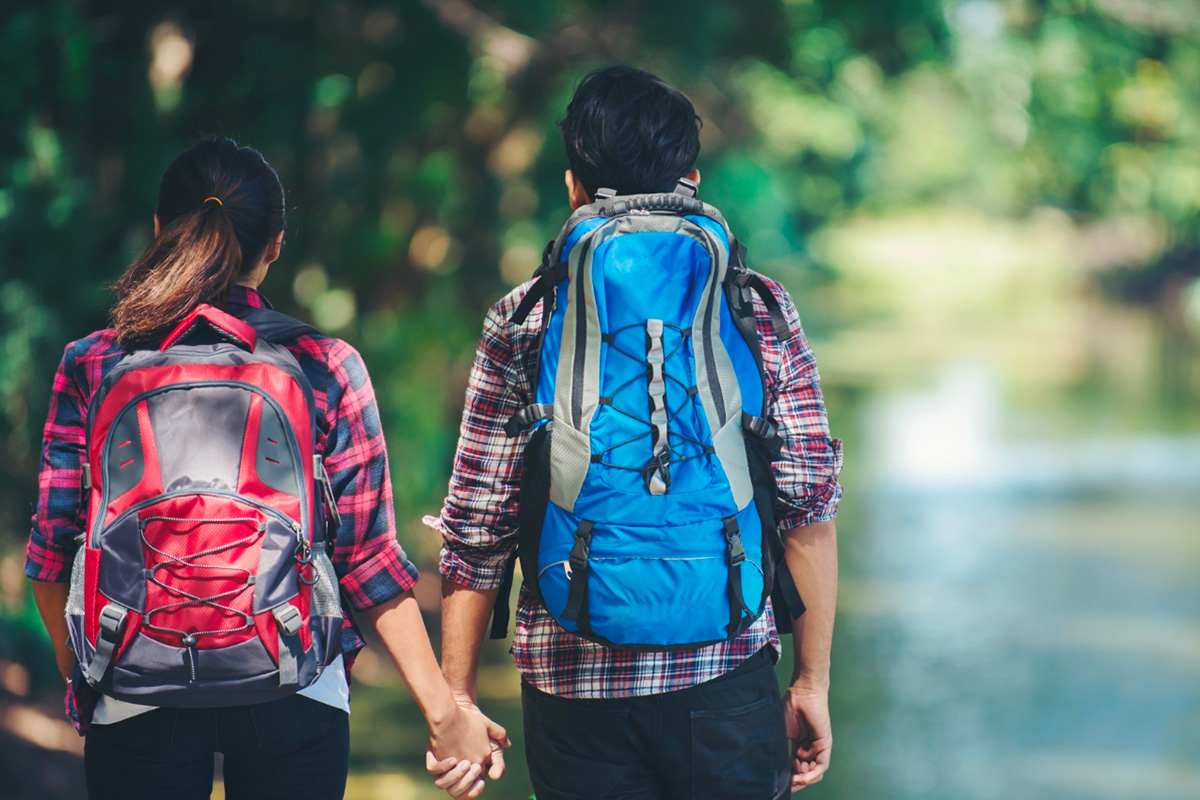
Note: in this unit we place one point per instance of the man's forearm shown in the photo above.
(465, 615)
(811, 552)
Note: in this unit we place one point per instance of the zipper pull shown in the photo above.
(303, 551)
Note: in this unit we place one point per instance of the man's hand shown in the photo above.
(812, 560)
(457, 735)
(462, 735)
(808, 729)
(452, 776)
(497, 735)
(465, 614)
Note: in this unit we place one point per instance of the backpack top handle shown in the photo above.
(226, 326)
(666, 201)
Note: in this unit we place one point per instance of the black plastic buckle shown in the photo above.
(737, 553)
(760, 426)
(513, 426)
(518, 422)
(579, 553)
(733, 539)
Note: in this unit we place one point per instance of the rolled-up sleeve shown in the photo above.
(371, 566)
(478, 522)
(810, 460)
(58, 518)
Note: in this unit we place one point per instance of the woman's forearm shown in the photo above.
(402, 631)
(51, 600)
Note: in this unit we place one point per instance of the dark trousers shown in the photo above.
(293, 748)
(720, 740)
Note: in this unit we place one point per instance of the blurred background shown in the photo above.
(986, 210)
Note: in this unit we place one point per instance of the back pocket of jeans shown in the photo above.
(294, 722)
(576, 747)
(741, 752)
(148, 732)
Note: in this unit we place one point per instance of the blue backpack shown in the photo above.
(646, 517)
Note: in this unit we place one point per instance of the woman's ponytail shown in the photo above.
(195, 259)
(219, 208)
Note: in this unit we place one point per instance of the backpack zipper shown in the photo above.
(290, 523)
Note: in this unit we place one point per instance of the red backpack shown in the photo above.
(202, 577)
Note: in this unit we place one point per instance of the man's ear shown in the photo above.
(157, 227)
(576, 194)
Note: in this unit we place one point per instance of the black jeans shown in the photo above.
(720, 740)
(293, 748)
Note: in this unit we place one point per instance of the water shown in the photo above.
(1018, 618)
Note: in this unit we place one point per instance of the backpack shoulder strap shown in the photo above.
(278, 327)
(547, 279)
(740, 275)
(552, 271)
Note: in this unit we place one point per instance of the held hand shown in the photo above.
(461, 735)
(456, 778)
(808, 728)
(497, 735)
(462, 778)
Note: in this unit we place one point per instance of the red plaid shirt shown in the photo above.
(369, 562)
(479, 520)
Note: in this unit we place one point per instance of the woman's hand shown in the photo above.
(458, 734)
(459, 779)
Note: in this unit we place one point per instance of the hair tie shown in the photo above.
(214, 198)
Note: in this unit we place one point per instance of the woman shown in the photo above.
(218, 227)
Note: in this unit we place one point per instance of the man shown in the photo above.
(606, 722)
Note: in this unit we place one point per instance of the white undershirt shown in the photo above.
(331, 688)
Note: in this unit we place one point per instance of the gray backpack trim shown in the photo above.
(577, 385)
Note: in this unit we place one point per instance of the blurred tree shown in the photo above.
(417, 141)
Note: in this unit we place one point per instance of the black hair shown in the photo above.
(220, 205)
(629, 131)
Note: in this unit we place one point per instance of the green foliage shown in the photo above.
(417, 142)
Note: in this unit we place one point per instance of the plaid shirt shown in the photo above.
(370, 564)
(479, 520)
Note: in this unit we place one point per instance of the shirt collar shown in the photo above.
(245, 297)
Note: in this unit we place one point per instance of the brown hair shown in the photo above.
(219, 207)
